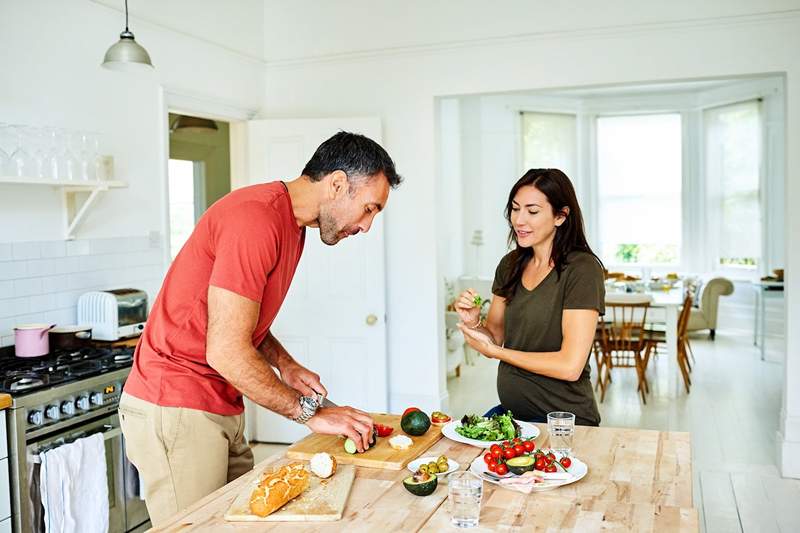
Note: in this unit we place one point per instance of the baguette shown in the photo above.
(278, 488)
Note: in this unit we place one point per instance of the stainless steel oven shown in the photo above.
(52, 416)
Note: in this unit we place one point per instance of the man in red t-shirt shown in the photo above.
(208, 342)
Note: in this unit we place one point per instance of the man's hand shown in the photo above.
(301, 379)
(347, 421)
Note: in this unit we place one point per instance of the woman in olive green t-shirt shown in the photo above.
(548, 294)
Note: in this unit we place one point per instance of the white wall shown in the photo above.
(50, 74)
(628, 42)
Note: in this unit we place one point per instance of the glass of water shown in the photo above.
(561, 426)
(465, 491)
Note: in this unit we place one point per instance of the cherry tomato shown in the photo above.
(566, 462)
(410, 409)
(517, 440)
(494, 447)
(550, 468)
(498, 453)
(502, 469)
(509, 453)
(492, 466)
(487, 457)
(540, 464)
(519, 449)
(529, 445)
(550, 457)
(506, 444)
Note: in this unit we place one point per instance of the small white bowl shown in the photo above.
(416, 463)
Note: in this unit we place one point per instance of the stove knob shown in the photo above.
(35, 417)
(68, 408)
(97, 398)
(52, 412)
(82, 403)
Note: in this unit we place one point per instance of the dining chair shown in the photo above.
(683, 348)
(623, 339)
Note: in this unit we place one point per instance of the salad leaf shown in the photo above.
(498, 427)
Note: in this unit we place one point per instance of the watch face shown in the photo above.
(307, 402)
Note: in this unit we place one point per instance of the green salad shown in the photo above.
(498, 427)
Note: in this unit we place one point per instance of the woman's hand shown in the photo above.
(468, 312)
(480, 341)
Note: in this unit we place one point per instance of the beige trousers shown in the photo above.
(181, 454)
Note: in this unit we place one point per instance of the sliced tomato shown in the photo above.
(410, 410)
(383, 431)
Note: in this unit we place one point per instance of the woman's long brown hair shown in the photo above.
(570, 236)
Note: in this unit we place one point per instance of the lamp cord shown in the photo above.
(126, 15)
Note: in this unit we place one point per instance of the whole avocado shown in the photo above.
(415, 423)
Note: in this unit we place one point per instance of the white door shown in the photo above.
(332, 320)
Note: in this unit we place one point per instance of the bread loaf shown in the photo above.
(278, 488)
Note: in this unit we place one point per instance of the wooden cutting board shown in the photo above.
(379, 456)
(323, 501)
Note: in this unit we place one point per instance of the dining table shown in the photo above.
(637, 480)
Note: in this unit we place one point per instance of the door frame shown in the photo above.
(180, 101)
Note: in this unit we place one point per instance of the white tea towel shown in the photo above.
(74, 487)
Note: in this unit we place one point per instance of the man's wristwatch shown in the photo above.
(309, 406)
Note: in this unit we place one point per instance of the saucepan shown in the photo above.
(30, 340)
(70, 337)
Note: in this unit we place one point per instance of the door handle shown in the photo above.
(371, 320)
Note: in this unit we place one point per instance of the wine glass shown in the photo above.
(21, 161)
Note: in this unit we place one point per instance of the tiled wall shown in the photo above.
(41, 281)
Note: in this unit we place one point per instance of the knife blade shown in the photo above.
(325, 402)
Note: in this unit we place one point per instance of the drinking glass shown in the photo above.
(5, 149)
(561, 426)
(465, 491)
(21, 161)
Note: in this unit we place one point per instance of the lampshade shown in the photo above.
(194, 124)
(127, 54)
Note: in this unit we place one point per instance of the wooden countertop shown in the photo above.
(5, 401)
(638, 480)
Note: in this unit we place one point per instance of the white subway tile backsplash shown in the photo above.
(53, 249)
(27, 287)
(41, 267)
(54, 283)
(43, 302)
(14, 307)
(67, 265)
(26, 250)
(40, 282)
(13, 270)
(110, 246)
(78, 247)
(6, 289)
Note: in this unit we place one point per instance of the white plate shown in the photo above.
(529, 431)
(414, 465)
(578, 469)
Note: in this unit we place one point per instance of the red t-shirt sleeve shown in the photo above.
(244, 253)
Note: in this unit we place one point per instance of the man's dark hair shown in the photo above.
(356, 155)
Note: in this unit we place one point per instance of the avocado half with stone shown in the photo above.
(421, 483)
(520, 465)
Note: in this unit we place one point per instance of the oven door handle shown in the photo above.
(109, 432)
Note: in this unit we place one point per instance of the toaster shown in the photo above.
(113, 314)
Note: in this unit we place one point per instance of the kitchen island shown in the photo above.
(638, 480)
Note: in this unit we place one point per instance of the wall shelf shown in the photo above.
(77, 196)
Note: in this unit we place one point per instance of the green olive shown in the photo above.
(442, 459)
(433, 468)
(423, 469)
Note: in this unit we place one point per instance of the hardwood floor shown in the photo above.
(732, 414)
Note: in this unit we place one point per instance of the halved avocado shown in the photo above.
(520, 465)
(421, 484)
